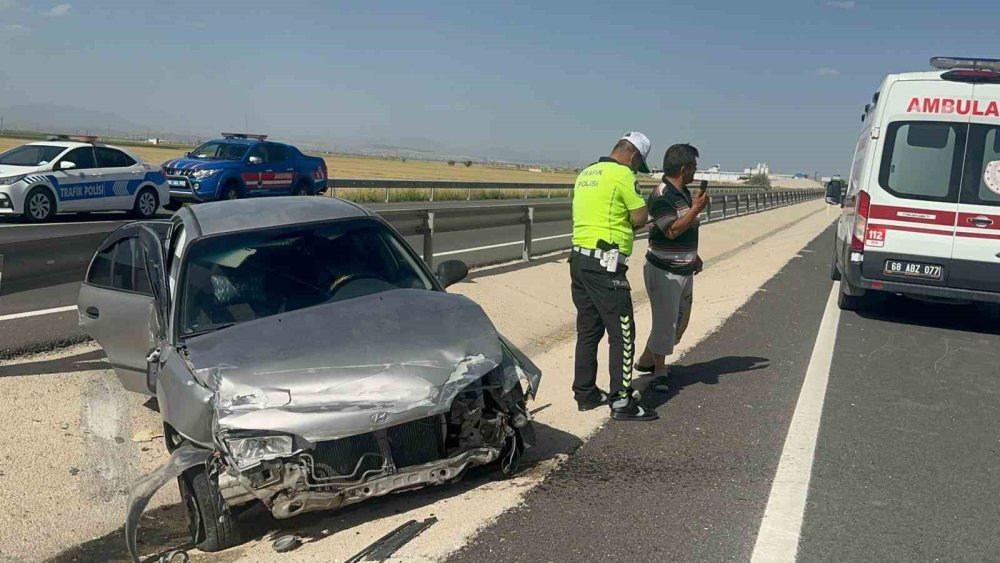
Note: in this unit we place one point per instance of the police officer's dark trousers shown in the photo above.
(603, 303)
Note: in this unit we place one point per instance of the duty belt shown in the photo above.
(599, 254)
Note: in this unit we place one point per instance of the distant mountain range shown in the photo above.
(66, 119)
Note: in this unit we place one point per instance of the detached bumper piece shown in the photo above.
(386, 546)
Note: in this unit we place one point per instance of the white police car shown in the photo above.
(66, 175)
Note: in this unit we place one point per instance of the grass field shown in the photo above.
(345, 166)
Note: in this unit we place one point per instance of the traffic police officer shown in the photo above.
(607, 208)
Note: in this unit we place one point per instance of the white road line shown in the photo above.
(500, 245)
(50, 225)
(37, 313)
(778, 538)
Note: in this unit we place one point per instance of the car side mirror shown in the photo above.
(451, 272)
(187, 154)
(256, 160)
(66, 165)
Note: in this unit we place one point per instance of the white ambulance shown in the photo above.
(921, 215)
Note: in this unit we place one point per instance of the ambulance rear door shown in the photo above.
(976, 256)
(915, 186)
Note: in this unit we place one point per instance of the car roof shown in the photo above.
(237, 141)
(232, 216)
(928, 75)
(75, 145)
(66, 144)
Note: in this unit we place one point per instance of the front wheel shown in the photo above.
(510, 456)
(212, 524)
(39, 206)
(231, 191)
(146, 204)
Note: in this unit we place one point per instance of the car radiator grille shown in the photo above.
(416, 442)
(412, 443)
(343, 455)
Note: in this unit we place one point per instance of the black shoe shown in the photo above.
(598, 399)
(661, 384)
(633, 411)
(644, 369)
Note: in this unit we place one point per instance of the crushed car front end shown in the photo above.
(303, 428)
(293, 476)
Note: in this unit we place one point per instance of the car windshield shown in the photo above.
(30, 155)
(220, 151)
(240, 277)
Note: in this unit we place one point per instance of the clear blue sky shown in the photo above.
(778, 81)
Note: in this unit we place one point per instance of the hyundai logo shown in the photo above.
(380, 418)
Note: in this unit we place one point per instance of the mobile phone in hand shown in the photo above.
(704, 185)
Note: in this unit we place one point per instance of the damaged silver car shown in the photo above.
(302, 356)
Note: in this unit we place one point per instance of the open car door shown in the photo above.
(117, 305)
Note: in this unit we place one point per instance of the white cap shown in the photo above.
(640, 142)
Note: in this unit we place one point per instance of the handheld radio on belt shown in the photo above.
(609, 258)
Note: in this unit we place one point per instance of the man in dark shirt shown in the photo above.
(672, 258)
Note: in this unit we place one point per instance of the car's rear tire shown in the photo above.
(849, 302)
(231, 191)
(302, 189)
(212, 525)
(39, 206)
(147, 203)
(834, 270)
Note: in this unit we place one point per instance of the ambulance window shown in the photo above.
(923, 160)
(982, 168)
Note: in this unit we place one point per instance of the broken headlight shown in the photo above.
(248, 451)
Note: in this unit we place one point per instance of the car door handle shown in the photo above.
(92, 312)
(981, 221)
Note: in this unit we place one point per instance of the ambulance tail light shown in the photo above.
(861, 221)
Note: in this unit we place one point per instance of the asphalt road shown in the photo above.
(58, 255)
(905, 462)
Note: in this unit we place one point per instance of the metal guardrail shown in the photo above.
(498, 187)
(443, 219)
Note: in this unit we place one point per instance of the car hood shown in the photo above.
(7, 170)
(196, 164)
(346, 368)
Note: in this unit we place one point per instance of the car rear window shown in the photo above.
(923, 160)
